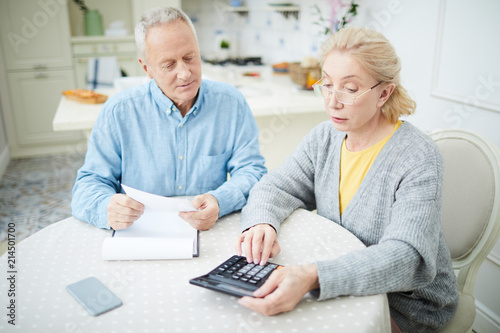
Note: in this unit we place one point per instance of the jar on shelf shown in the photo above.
(93, 23)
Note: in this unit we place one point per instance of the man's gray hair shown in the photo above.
(157, 16)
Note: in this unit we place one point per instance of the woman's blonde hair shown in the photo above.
(379, 59)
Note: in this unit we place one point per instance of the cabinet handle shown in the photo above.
(41, 75)
(39, 66)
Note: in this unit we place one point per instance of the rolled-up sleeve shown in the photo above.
(98, 179)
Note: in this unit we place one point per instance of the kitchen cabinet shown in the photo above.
(36, 68)
(35, 34)
(35, 96)
(123, 48)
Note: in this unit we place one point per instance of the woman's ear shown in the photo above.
(385, 94)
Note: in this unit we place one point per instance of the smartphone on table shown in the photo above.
(95, 297)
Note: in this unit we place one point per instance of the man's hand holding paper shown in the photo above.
(123, 211)
(207, 214)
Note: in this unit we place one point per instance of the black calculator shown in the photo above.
(236, 276)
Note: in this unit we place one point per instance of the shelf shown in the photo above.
(236, 9)
(286, 11)
(101, 39)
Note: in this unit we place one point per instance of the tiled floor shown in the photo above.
(35, 192)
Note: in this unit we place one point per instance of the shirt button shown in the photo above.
(180, 187)
(181, 125)
(181, 157)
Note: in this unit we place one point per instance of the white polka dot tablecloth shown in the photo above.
(156, 294)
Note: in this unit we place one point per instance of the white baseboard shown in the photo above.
(49, 150)
(4, 160)
(486, 320)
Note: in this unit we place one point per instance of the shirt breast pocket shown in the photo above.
(215, 170)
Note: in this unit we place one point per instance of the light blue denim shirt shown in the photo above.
(141, 140)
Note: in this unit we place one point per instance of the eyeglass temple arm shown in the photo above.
(367, 90)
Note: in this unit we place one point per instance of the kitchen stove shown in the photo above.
(248, 61)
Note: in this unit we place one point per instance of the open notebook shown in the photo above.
(158, 234)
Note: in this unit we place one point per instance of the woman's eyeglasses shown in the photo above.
(342, 97)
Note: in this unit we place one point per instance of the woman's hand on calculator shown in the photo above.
(283, 290)
(259, 243)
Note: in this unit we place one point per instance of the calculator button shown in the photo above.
(254, 271)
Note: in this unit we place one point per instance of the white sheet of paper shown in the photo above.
(158, 234)
(158, 202)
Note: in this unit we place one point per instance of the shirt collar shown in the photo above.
(166, 103)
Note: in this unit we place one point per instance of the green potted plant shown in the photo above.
(224, 44)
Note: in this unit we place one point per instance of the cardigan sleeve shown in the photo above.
(285, 189)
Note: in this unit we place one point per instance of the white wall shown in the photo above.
(413, 27)
(4, 147)
(260, 33)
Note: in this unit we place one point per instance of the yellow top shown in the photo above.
(354, 167)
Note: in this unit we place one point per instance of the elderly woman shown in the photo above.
(378, 177)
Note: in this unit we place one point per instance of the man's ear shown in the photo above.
(385, 94)
(145, 67)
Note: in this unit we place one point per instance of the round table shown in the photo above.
(156, 294)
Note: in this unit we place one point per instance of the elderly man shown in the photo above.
(177, 135)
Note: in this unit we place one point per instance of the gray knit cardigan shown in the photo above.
(396, 213)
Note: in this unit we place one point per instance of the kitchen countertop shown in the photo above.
(267, 95)
(72, 115)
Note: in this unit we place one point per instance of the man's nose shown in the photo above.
(184, 72)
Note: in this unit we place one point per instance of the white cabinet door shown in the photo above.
(35, 97)
(35, 34)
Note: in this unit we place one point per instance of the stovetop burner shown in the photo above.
(249, 61)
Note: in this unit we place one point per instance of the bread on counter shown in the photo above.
(85, 96)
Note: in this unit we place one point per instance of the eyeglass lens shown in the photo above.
(324, 92)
